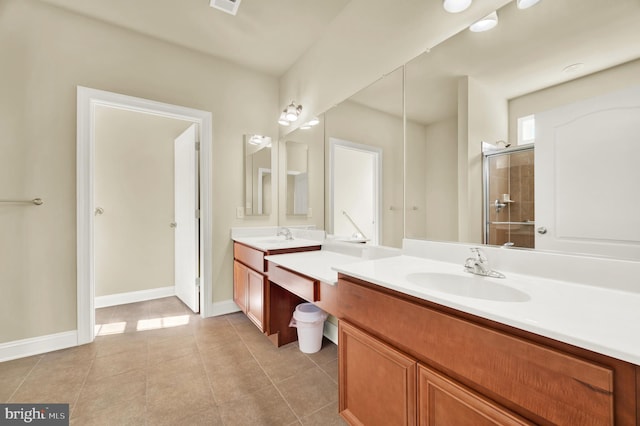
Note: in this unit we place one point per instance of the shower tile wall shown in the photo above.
(512, 174)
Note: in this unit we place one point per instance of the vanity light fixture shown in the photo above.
(290, 114)
(314, 121)
(525, 4)
(486, 23)
(283, 119)
(456, 6)
(260, 140)
(293, 111)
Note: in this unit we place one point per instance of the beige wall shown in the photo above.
(134, 184)
(482, 116)
(442, 180)
(46, 54)
(355, 123)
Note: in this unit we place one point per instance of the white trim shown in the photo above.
(331, 331)
(134, 296)
(37, 345)
(377, 152)
(224, 307)
(88, 99)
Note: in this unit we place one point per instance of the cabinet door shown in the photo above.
(255, 298)
(240, 282)
(443, 402)
(377, 382)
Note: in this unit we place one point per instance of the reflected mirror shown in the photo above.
(257, 175)
(297, 180)
(558, 62)
(364, 148)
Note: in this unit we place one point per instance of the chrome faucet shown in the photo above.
(286, 232)
(479, 265)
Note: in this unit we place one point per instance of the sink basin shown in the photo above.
(273, 240)
(472, 286)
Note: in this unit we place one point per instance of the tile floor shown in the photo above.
(155, 363)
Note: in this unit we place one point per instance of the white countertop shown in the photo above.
(317, 264)
(267, 243)
(602, 320)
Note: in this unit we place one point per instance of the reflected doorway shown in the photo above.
(355, 185)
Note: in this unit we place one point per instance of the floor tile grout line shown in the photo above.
(84, 382)
(24, 379)
(269, 377)
(206, 372)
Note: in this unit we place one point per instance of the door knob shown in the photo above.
(173, 225)
(542, 230)
(99, 211)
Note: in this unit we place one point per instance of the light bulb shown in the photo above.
(455, 6)
(486, 23)
(291, 113)
(314, 121)
(525, 4)
(283, 119)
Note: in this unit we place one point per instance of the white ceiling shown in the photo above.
(265, 35)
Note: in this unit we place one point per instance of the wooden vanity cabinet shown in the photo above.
(269, 309)
(470, 370)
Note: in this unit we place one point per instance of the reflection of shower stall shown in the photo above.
(509, 209)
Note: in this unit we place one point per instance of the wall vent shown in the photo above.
(229, 6)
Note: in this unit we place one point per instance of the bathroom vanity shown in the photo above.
(423, 342)
(269, 307)
(403, 360)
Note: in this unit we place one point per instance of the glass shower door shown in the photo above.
(509, 197)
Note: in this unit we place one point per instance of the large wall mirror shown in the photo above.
(257, 175)
(562, 74)
(364, 149)
(301, 172)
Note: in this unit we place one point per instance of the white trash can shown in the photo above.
(309, 320)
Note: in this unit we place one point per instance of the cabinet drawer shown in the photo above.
(300, 285)
(249, 256)
(548, 385)
(442, 401)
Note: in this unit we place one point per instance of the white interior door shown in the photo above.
(587, 174)
(355, 202)
(186, 219)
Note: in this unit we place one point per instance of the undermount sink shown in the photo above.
(472, 286)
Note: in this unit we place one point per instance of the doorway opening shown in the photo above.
(89, 100)
(355, 204)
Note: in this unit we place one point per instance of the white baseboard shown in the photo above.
(37, 345)
(223, 308)
(331, 331)
(134, 296)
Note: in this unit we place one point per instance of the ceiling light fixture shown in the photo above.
(314, 121)
(486, 23)
(525, 4)
(259, 140)
(456, 6)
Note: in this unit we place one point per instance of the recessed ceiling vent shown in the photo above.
(229, 6)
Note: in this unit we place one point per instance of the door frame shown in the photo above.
(377, 180)
(87, 100)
